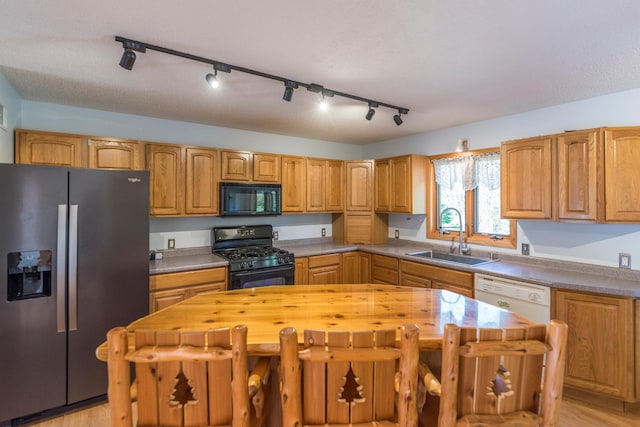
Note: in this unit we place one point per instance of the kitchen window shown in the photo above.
(470, 183)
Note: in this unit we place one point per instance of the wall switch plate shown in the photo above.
(275, 235)
(525, 249)
(397, 234)
(171, 244)
(624, 260)
(324, 232)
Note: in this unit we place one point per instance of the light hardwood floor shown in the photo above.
(572, 414)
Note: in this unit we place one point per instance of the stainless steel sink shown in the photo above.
(452, 258)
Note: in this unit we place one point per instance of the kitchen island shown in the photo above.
(267, 310)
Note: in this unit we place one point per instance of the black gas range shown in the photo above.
(253, 260)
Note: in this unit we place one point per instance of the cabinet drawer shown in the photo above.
(384, 275)
(385, 262)
(324, 260)
(186, 278)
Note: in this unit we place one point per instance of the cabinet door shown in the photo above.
(356, 267)
(600, 342)
(577, 175)
(161, 299)
(115, 154)
(294, 184)
(266, 167)
(334, 188)
(414, 274)
(166, 166)
(359, 176)
(382, 186)
(526, 178)
(236, 165)
(401, 184)
(622, 174)
(46, 148)
(202, 179)
(301, 271)
(316, 185)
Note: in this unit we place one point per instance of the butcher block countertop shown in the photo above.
(266, 310)
(555, 274)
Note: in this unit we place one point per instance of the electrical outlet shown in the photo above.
(275, 235)
(324, 232)
(624, 260)
(525, 249)
(171, 244)
(397, 234)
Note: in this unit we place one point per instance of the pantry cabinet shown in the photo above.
(294, 184)
(170, 288)
(400, 184)
(600, 344)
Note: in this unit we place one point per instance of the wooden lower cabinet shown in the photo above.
(302, 271)
(356, 267)
(170, 288)
(431, 276)
(384, 269)
(324, 269)
(600, 345)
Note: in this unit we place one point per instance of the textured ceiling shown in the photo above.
(450, 62)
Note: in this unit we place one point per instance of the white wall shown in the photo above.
(597, 244)
(12, 104)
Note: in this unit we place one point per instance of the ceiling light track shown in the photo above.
(132, 46)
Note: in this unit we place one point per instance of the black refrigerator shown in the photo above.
(74, 262)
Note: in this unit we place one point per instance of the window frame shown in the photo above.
(469, 234)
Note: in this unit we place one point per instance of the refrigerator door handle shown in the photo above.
(73, 267)
(61, 288)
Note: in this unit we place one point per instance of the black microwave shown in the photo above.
(240, 199)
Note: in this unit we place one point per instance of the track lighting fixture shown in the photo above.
(289, 86)
(397, 117)
(129, 57)
(371, 111)
(129, 54)
(212, 79)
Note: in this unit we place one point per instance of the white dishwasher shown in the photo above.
(526, 299)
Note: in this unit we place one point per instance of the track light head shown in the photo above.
(129, 54)
(289, 86)
(212, 79)
(128, 59)
(397, 117)
(371, 111)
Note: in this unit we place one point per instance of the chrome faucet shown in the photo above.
(462, 248)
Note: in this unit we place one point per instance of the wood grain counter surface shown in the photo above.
(267, 310)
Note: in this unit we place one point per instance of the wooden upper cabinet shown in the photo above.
(316, 185)
(359, 177)
(166, 166)
(526, 168)
(107, 153)
(325, 185)
(578, 183)
(236, 165)
(622, 174)
(202, 177)
(266, 167)
(48, 148)
(401, 184)
(294, 187)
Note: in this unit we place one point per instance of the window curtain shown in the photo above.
(468, 171)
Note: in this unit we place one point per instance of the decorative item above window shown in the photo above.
(468, 171)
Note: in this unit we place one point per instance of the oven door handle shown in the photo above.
(263, 270)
